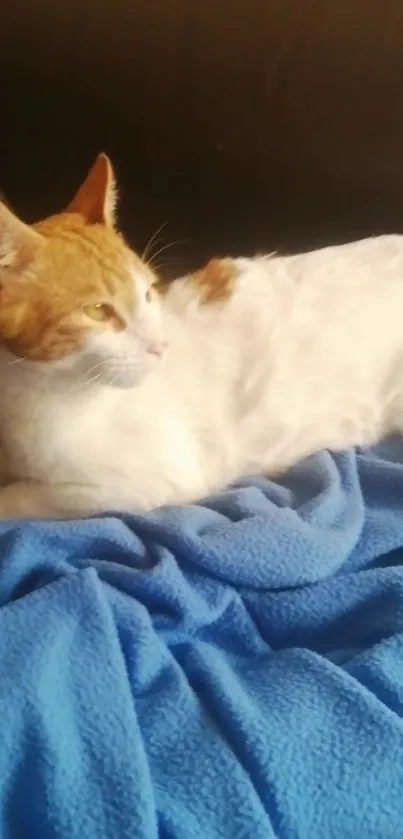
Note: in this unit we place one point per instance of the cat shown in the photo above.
(120, 395)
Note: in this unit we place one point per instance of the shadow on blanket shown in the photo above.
(228, 670)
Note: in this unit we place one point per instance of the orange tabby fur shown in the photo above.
(216, 281)
(73, 260)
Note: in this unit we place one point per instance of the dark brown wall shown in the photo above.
(247, 123)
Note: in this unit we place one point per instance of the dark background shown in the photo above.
(248, 124)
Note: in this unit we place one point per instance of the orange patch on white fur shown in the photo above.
(215, 281)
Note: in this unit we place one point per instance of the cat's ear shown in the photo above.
(97, 197)
(19, 243)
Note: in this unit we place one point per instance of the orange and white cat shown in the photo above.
(115, 397)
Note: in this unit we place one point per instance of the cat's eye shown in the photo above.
(99, 311)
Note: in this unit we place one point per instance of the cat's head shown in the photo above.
(73, 296)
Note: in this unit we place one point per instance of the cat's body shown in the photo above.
(292, 355)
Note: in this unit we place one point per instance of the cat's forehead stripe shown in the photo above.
(118, 275)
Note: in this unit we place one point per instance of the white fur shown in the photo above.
(123, 358)
(307, 353)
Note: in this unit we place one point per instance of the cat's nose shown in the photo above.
(157, 348)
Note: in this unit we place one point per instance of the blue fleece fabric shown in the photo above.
(232, 670)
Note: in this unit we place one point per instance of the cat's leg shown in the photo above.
(35, 500)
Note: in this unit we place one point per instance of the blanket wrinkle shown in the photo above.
(228, 670)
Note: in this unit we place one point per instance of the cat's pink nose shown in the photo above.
(157, 348)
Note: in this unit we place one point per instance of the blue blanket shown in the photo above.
(231, 670)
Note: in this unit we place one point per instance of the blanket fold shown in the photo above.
(229, 670)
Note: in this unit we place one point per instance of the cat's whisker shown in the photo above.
(113, 380)
(86, 378)
(164, 248)
(96, 366)
(93, 379)
(17, 360)
(173, 266)
(82, 382)
(152, 240)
